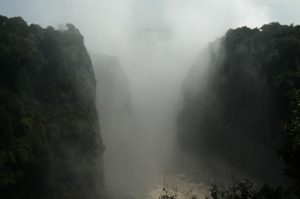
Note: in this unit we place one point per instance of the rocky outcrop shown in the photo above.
(50, 143)
(116, 117)
(235, 111)
(113, 94)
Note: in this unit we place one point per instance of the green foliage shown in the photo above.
(290, 151)
(248, 109)
(245, 189)
(50, 146)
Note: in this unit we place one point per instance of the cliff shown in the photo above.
(50, 143)
(117, 124)
(241, 108)
(113, 94)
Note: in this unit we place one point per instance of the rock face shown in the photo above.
(50, 143)
(235, 111)
(114, 106)
(113, 94)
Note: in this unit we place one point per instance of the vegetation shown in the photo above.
(168, 194)
(247, 113)
(50, 146)
(246, 189)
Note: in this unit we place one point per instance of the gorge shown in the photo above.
(184, 102)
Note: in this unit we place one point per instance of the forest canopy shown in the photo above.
(50, 144)
(247, 113)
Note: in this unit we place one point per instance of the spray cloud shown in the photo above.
(156, 42)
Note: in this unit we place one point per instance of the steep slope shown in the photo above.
(113, 95)
(236, 112)
(50, 144)
(114, 105)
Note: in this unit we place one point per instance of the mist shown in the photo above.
(153, 44)
(156, 42)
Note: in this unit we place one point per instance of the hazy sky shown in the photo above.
(49, 11)
(108, 18)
